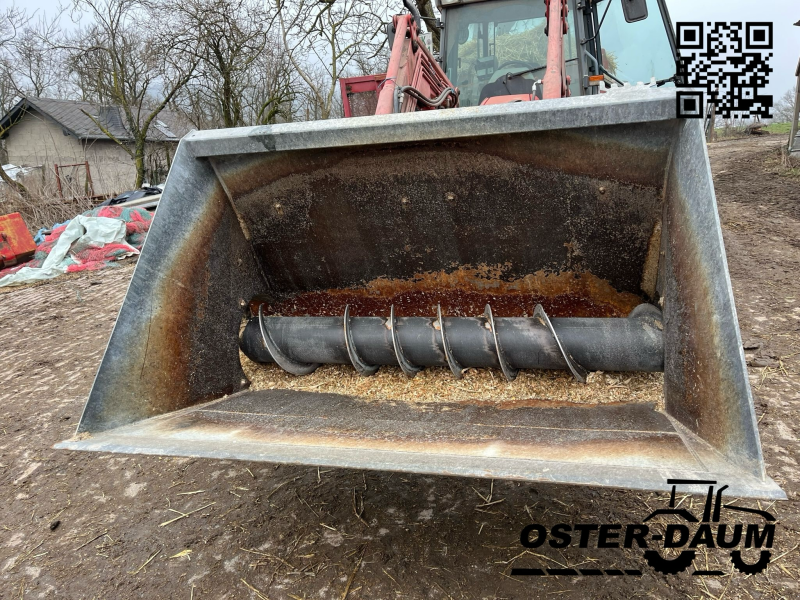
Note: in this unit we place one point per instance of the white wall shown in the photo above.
(36, 140)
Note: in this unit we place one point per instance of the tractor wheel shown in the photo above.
(669, 566)
(748, 569)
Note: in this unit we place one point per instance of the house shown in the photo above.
(77, 157)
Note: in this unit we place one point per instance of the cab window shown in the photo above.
(624, 45)
(486, 41)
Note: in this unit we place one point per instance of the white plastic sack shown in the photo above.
(96, 231)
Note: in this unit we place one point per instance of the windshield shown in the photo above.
(487, 40)
(623, 42)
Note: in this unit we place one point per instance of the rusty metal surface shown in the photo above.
(630, 446)
(335, 219)
(181, 313)
(600, 436)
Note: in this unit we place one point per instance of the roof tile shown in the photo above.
(72, 115)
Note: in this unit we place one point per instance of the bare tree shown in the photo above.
(232, 35)
(425, 8)
(12, 21)
(324, 38)
(131, 56)
(783, 111)
(38, 60)
(274, 86)
(243, 75)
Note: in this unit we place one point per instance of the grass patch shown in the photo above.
(728, 133)
(739, 132)
(781, 163)
(784, 128)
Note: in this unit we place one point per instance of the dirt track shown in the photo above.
(296, 532)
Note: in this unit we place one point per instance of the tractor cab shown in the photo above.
(496, 50)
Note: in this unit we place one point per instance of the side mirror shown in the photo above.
(635, 10)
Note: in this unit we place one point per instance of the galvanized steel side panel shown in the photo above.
(175, 342)
(706, 384)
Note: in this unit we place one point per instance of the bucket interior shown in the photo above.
(570, 220)
(588, 221)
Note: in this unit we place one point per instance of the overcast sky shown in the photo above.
(783, 13)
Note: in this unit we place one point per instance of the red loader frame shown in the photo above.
(415, 81)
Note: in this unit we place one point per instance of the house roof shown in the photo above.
(72, 116)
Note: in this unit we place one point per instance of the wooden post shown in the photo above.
(793, 135)
(89, 182)
(58, 182)
(712, 118)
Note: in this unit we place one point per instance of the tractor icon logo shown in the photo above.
(710, 532)
(669, 537)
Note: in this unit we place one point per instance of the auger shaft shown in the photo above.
(300, 344)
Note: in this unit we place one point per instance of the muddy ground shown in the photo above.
(78, 525)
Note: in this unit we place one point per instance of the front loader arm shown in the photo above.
(414, 80)
(555, 82)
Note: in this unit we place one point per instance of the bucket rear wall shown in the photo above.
(531, 202)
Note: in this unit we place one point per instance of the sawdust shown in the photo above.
(479, 386)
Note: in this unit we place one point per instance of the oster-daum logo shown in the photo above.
(670, 547)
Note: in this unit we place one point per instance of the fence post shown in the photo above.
(58, 182)
(89, 179)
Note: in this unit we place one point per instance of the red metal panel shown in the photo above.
(16, 243)
(507, 99)
(364, 90)
(411, 63)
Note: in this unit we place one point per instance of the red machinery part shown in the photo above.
(414, 74)
(412, 69)
(507, 99)
(554, 82)
(16, 243)
(360, 94)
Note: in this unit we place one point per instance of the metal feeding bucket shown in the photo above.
(381, 241)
